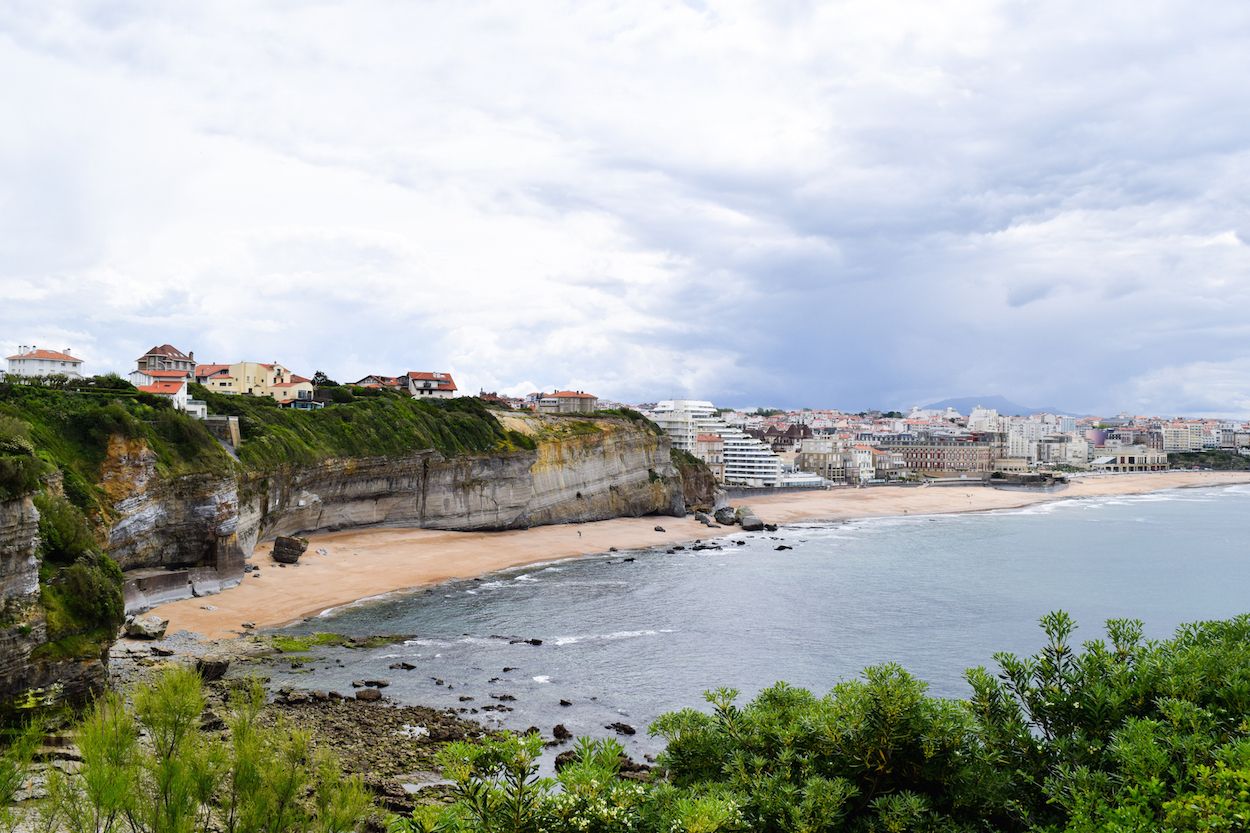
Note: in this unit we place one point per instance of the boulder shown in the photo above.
(726, 516)
(147, 627)
(702, 517)
(742, 511)
(780, 547)
(212, 667)
(287, 549)
(750, 523)
(622, 728)
(369, 695)
(561, 732)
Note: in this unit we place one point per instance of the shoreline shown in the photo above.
(378, 562)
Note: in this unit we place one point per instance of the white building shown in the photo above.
(32, 361)
(985, 419)
(1022, 439)
(748, 462)
(1184, 436)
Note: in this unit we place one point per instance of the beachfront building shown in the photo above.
(1132, 459)
(568, 402)
(710, 448)
(1183, 436)
(34, 362)
(940, 454)
(748, 462)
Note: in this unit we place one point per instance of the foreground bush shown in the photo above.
(1123, 735)
(152, 770)
(1118, 735)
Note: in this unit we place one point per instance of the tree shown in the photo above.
(321, 380)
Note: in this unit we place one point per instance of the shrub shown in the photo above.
(64, 536)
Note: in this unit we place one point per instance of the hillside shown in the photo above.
(110, 497)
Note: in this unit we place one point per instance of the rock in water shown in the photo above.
(621, 728)
(287, 550)
(750, 523)
(561, 732)
(369, 694)
(147, 627)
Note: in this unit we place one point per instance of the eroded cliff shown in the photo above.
(184, 525)
(33, 670)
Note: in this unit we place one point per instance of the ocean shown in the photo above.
(630, 635)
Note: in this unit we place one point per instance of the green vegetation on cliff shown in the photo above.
(374, 426)
(70, 427)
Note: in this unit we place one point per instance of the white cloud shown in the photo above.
(800, 203)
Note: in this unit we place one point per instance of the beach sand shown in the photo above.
(365, 563)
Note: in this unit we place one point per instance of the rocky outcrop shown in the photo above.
(700, 491)
(174, 536)
(29, 673)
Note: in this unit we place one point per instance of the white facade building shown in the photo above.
(32, 361)
(748, 462)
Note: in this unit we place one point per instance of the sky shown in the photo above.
(838, 204)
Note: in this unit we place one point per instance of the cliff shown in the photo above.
(179, 515)
(35, 669)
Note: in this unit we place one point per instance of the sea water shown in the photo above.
(626, 640)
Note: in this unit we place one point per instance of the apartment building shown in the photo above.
(748, 462)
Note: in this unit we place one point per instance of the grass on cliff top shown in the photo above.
(68, 425)
(379, 425)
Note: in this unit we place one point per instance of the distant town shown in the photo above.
(765, 448)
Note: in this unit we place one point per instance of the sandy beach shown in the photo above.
(364, 563)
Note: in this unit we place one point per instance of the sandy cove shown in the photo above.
(364, 563)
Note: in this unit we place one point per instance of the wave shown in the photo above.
(573, 640)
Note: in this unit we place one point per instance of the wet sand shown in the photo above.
(365, 563)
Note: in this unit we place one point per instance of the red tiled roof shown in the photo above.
(167, 350)
(54, 355)
(164, 388)
(444, 380)
(295, 377)
(210, 369)
(573, 394)
(708, 438)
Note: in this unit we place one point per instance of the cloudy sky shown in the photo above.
(828, 204)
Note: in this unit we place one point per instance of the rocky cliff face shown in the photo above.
(189, 535)
(177, 536)
(619, 471)
(25, 673)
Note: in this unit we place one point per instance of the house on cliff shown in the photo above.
(419, 384)
(568, 402)
(260, 379)
(32, 361)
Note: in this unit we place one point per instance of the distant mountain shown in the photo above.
(1002, 404)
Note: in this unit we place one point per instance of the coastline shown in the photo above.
(374, 562)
